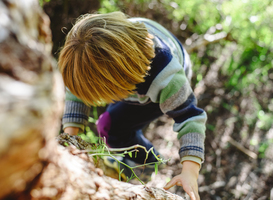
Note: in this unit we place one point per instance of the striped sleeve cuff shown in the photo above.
(76, 112)
(192, 145)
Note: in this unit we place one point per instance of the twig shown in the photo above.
(118, 149)
(242, 148)
(98, 153)
(206, 39)
(134, 147)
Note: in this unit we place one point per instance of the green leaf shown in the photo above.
(130, 154)
(156, 168)
(119, 175)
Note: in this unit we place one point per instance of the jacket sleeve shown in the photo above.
(177, 100)
(76, 113)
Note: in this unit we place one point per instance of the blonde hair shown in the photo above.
(104, 57)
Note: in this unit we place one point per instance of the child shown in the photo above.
(143, 71)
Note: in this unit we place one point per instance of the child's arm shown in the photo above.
(75, 116)
(187, 179)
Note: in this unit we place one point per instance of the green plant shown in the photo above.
(263, 147)
(102, 150)
(265, 120)
(41, 2)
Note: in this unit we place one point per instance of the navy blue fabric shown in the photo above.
(162, 58)
(178, 41)
(75, 115)
(185, 65)
(127, 120)
(186, 110)
(188, 148)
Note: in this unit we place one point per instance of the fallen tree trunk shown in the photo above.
(32, 164)
(30, 90)
(71, 177)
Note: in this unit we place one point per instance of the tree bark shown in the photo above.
(70, 177)
(32, 164)
(30, 94)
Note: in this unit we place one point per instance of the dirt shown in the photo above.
(227, 172)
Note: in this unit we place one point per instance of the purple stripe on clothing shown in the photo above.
(104, 125)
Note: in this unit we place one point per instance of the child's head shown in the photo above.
(104, 57)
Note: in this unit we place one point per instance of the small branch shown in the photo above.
(117, 149)
(99, 153)
(242, 148)
(204, 40)
(132, 148)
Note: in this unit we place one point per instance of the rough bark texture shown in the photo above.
(32, 164)
(28, 94)
(71, 177)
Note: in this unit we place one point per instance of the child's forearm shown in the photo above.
(192, 167)
(71, 130)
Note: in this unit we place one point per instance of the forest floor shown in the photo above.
(232, 169)
(227, 173)
(235, 167)
(238, 156)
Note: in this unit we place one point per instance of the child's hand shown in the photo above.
(187, 179)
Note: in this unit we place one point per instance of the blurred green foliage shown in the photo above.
(247, 21)
(90, 135)
(41, 2)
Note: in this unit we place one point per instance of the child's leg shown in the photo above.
(121, 125)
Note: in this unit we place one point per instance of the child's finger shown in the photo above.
(170, 184)
(192, 193)
(195, 196)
